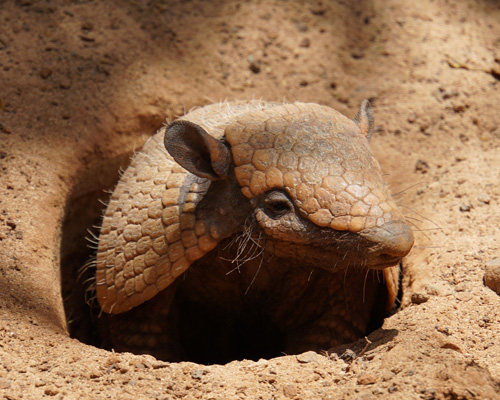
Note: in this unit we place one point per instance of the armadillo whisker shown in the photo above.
(421, 216)
(417, 228)
(256, 273)
(405, 190)
(364, 284)
(310, 275)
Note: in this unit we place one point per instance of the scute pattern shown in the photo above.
(319, 157)
(146, 239)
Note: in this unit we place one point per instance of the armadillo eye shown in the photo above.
(279, 207)
(278, 203)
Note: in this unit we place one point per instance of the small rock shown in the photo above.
(463, 296)
(448, 93)
(5, 383)
(393, 389)
(95, 374)
(289, 391)
(87, 26)
(159, 364)
(424, 125)
(254, 67)
(367, 379)
(484, 198)
(51, 391)
(348, 355)
(3, 128)
(357, 54)
(45, 72)
(318, 9)
(443, 329)
(419, 298)
(197, 374)
(451, 346)
(465, 207)
(463, 138)
(422, 166)
(435, 289)
(307, 357)
(65, 83)
(86, 38)
(492, 275)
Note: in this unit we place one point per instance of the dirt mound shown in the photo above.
(83, 84)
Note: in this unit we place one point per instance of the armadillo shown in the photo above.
(250, 229)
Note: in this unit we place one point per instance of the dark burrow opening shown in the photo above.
(247, 335)
(82, 217)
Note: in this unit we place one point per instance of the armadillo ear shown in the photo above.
(195, 150)
(364, 119)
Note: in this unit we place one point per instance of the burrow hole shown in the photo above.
(253, 338)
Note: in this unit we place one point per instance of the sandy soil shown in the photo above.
(84, 83)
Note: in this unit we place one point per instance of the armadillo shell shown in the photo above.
(150, 234)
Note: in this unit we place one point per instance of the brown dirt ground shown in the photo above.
(84, 83)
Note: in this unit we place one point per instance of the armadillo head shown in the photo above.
(314, 186)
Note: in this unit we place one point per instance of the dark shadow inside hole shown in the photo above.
(82, 218)
(246, 335)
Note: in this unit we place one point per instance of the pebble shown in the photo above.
(289, 391)
(378, 391)
(357, 54)
(5, 383)
(197, 374)
(465, 207)
(307, 357)
(419, 298)
(254, 67)
(367, 379)
(459, 107)
(51, 391)
(451, 346)
(45, 72)
(435, 289)
(422, 166)
(492, 275)
(448, 93)
(463, 296)
(65, 83)
(159, 364)
(484, 198)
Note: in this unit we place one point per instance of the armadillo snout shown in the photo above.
(392, 241)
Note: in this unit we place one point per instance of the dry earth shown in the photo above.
(84, 83)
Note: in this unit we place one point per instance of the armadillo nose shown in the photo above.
(391, 242)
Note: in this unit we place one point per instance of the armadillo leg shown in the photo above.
(357, 304)
(150, 328)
